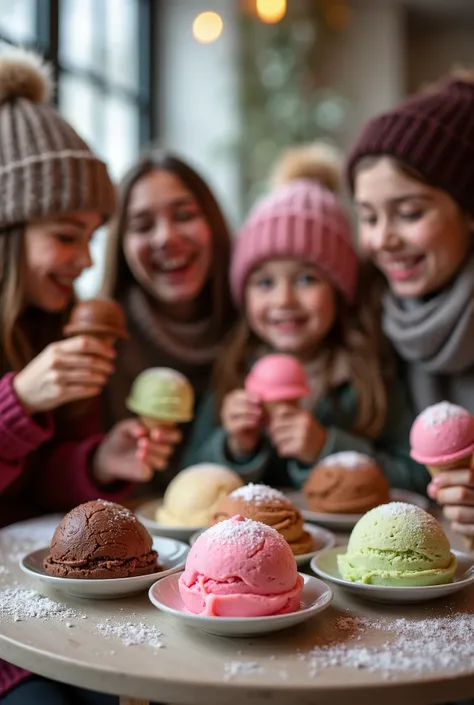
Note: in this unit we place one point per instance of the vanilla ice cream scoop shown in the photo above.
(192, 496)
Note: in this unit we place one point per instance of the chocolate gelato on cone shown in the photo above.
(161, 396)
(271, 507)
(100, 318)
(98, 540)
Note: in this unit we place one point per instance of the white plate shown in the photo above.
(146, 514)
(322, 539)
(325, 565)
(171, 555)
(315, 597)
(348, 521)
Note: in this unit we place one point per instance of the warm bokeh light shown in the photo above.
(271, 10)
(207, 27)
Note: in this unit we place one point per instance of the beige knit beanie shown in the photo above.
(45, 167)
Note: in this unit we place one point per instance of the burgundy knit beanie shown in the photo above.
(431, 132)
(300, 220)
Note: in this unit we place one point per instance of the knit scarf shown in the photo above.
(190, 342)
(435, 338)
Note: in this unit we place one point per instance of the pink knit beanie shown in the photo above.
(300, 220)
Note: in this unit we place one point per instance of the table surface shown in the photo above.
(363, 660)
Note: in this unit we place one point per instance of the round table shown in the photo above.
(200, 669)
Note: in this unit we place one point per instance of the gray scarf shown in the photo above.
(435, 338)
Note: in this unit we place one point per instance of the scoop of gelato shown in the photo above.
(346, 483)
(398, 544)
(192, 496)
(100, 539)
(271, 507)
(240, 568)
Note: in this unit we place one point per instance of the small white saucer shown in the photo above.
(322, 539)
(348, 521)
(315, 597)
(146, 513)
(171, 555)
(325, 565)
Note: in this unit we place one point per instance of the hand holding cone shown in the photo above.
(442, 439)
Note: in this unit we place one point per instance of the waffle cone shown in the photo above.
(151, 423)
(436, 470)
(468, 543)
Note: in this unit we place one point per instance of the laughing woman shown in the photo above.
(167, 264)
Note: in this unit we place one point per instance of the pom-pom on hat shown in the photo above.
(45, 167)
(300, 219)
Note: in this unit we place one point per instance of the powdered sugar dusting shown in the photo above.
(241, 668)
(133, 634)
(439, 413)
(349, 459)
(19, 539)
(20, 604)
(419, 646)
(402, 510)
(259, 494)
(240, 532)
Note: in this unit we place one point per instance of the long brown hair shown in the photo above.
(23, 334)
(356, 334)
(118, 276)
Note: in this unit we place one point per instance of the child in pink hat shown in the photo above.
(294, 276)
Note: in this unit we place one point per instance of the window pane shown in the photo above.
(88, 284)
(79, 102)
(78, 21)
(121, 135)
(18, 20)
(121, 42)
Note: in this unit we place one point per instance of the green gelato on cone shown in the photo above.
(398, 545)
(161, 397)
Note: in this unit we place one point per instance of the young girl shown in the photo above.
(412, 174)
(55, 193)
(294, 277)
(167, 264)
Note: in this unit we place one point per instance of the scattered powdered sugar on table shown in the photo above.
(418, 646)
(232, 669)
(132, 634)
(19, 604)
(17, 540)
(439, 413)
(259, 494)
(349, 459)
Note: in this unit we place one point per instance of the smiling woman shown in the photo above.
(167, 264)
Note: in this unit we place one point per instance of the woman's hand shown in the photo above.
(241, 418)
(295, 433)
(72, 369)
(131, 453)
(454, 490)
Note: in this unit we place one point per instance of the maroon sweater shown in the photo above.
(44, 467)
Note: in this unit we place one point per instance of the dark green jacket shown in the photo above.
(336, 413)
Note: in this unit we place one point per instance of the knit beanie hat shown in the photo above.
(432, 132)
(300, 219)
(45, 167)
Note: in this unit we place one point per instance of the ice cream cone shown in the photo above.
(436, 470)
(151, 423)
(468, 543)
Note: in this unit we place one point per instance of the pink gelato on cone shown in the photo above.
(241, 568)
(277, 379)
(442, 438)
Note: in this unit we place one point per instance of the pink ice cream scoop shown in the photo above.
(441, 434)
(240, 568)
(277, 378)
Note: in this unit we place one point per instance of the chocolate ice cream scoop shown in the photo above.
(271, 507)
(100, 539)
(103, 318)
(346, 483)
